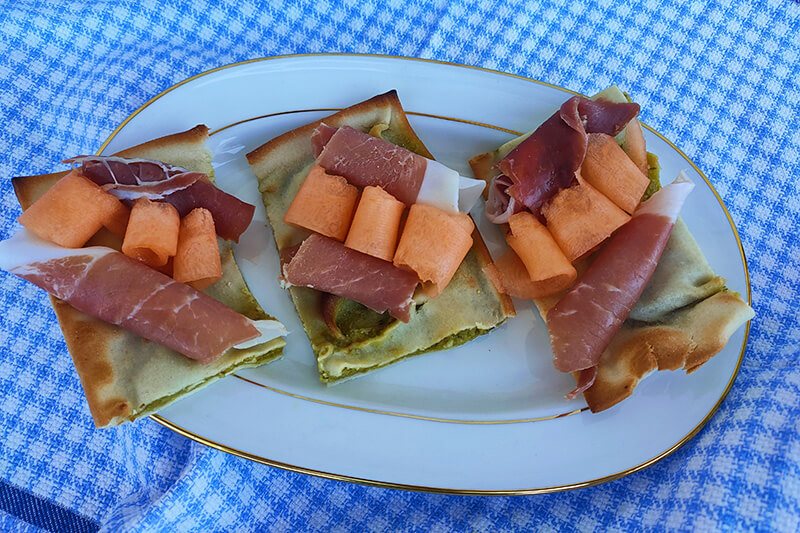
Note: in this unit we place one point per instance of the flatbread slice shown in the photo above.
(684, 317)
(470, 305)
(124, 376)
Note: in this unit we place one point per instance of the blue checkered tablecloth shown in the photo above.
(722, 81)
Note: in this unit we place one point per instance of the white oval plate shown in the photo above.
(487, 417)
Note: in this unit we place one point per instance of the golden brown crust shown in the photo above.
(30, 188)
(387, 101)
(623, 364)
(713, 324)
(482, 168)
(685, 338)
(194, 136)
(88, 340)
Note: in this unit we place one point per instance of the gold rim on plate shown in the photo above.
(385, 484)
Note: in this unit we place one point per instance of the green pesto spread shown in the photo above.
(257, 359)
(358, 322)
(454, 340)
(653, 174)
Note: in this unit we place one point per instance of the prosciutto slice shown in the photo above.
(367, 160)
(604, 116)
(327, 265)
(500, 205)
(129, 179)
(547, 160)
(108, 285)
(586, 318)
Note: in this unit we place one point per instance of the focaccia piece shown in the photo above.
(124, 376)
(470, 305)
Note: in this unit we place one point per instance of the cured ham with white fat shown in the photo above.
(586, 318)
(327, 265)
(130, 179)
(546, 161)
(108, 285)
(365, 160)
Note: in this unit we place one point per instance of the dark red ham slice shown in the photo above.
(108, 285)
(328, 266)
(366, 160)
(546, 162)
(231, 215)
(586, 318)
(129, 179)
(603, 116)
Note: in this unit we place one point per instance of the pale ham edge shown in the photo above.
(444, 188)
(152, 190)
(669, 201)
(439, 187)
(18, 252)
(175, 178)
(469, 191)
(267, 330)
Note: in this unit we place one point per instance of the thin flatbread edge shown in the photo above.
(470, 306)
(687, 315)
(124, 376)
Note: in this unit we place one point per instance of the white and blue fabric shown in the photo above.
(720, 79)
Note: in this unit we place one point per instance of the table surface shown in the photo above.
(721, 81)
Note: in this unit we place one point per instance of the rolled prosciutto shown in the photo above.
(367, 160)
(108, 285)
(586, 318)
(328, 266)
(547, 160)
(130, 179)
(500, 205)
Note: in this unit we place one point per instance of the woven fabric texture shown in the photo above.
(719, 79)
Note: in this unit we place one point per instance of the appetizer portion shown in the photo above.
(379, 257)
(135, 254)
(597, 244)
